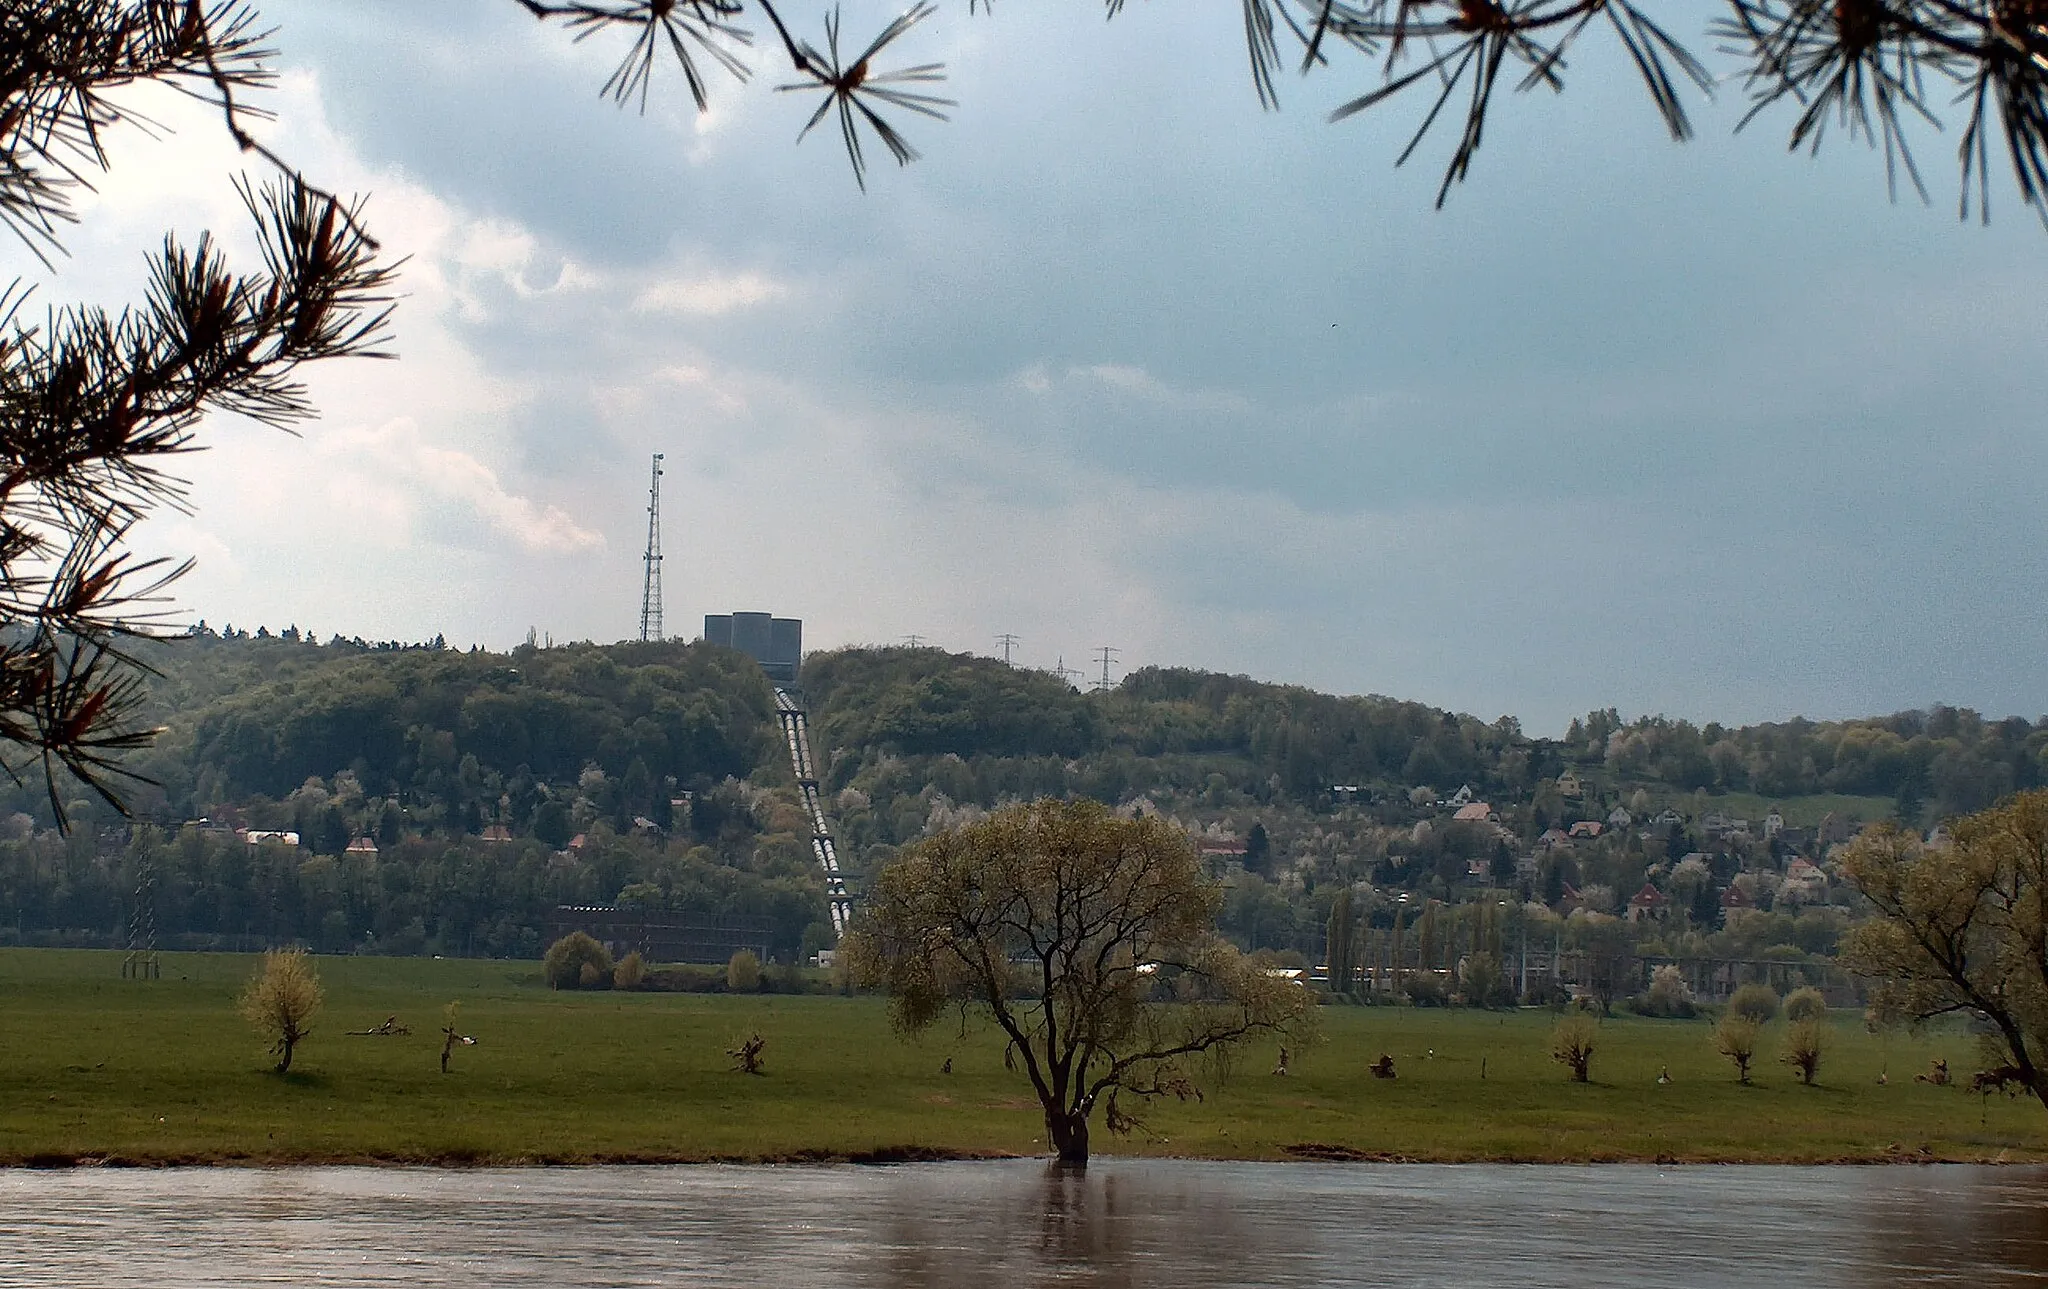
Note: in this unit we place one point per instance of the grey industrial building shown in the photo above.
(662, 936)
(776, 643)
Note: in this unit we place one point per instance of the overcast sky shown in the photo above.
(1704, 429)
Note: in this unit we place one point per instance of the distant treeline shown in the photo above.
(461, 896)
(671, 755)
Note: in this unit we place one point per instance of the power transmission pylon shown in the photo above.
(1008, 642)
(1102, 685)
(1063, 671)
(141, 962)
(914, 641)
(650, 587)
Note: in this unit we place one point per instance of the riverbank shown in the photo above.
(97, 1069)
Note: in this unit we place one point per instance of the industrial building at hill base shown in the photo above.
(776, 643)
(662, 936)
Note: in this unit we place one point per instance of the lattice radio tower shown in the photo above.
(650, 589)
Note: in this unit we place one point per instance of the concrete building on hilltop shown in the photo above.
(776, 643)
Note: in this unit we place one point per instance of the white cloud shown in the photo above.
(498, 251)
(724, 395)
(1141, 384)
(708, 295)
(394, 468)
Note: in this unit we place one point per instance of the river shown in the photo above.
(1021, 1223)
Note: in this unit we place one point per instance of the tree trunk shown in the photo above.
(1067, 1132)
(284, 1062)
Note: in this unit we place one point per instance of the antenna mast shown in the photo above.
(650, 588)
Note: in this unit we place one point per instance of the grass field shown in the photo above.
(94, 1067)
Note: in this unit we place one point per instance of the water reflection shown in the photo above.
(1982, 1227)
(1122, 1223)
(1109, 1226)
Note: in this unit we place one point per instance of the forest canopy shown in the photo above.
(449, 800)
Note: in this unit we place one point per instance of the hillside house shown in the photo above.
(1790, 838)
(362, 846)
(1476, 812)
(1552, 838)
(1569, 787)
(1836, 827)
(1585, 828)
(497, 833)
(1804, 881)
(1619, 817)
(1648, 904)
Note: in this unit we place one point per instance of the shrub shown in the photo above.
(1425, 990)
(746, 1052)
(1483, 983)
(631, 971)
(1571, 1044)
(563, 964)
(743, 972)
(1546, 992)
(1803, 1044)
(1668, 995)
(281, 999)
(1758, 1003)
(1735, 1038)
(1805, 1004)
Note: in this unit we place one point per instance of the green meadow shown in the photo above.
(93, 1067)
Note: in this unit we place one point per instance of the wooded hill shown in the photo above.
(666, 761)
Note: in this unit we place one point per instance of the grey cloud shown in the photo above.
(1696, 429)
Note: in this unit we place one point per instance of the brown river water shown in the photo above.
(996, 1225)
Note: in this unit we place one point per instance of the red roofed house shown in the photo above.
(1648, 903)
(1478, 812)
(1585, 828)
